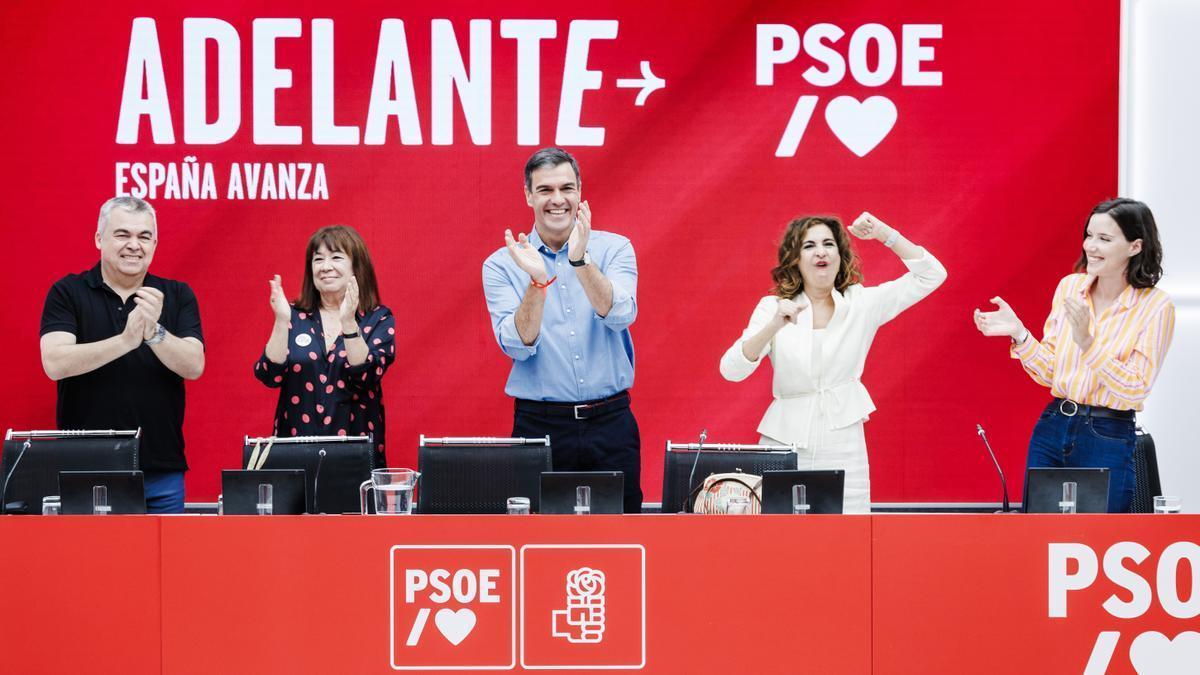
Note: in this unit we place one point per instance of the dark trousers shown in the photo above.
(1081, 441)
(607, 442)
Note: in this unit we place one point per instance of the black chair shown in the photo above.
(679, 479)
(334, 466)
(31, 461)
(1146, 484)
(479, 474)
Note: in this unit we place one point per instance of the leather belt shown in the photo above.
(1069, 408)
(580, 411)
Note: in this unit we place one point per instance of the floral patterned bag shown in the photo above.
(712, 496)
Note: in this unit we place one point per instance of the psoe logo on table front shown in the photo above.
(1074, 567)
(453, 608)
(583, 606)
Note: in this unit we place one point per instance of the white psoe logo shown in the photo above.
(583, 619)
(463, 586)
(1075, 567)
(859, 125)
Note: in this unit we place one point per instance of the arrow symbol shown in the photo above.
(649, 84)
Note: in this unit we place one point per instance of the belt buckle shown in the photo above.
(1063, 405)
(577, 408)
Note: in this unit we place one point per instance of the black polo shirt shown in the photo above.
(135, 390)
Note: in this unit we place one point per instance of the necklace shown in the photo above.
(325, 329)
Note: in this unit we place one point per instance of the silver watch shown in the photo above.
(160, 334)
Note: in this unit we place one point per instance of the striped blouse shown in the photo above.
(1131, 338)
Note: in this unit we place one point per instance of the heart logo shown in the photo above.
(455, 626)
(1153, 653)
(860, 126)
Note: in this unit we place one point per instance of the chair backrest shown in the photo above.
(31, 461)
(1146, 485)
(679, 460)
(334, 466)
(479, 474)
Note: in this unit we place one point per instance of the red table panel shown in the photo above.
(80, 594)
(313, 594)
(976, 594)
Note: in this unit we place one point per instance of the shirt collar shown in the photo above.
(535, 240)
(93, 277)
(1127, 297)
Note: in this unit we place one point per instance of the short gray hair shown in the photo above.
(127, 203)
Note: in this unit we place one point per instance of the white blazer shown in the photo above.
(837, 395)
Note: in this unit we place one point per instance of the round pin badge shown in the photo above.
(304, 339)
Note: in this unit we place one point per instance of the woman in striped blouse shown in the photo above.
(1103, 345)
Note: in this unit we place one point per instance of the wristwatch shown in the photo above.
(349, 336)
(582, 262)
(160, 334)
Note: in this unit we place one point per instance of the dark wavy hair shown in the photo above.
(788, 282)
(345, 239)
(1136, 222)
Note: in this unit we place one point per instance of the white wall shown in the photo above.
(1160, 165)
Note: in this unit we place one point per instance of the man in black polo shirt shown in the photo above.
(120, 342)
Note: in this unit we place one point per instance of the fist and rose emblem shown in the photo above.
(582, 620)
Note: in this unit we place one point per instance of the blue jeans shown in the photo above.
(164, 491)
(1082, 441)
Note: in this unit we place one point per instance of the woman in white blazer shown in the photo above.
(817, 326)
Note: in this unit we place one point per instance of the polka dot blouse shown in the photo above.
(320, 393)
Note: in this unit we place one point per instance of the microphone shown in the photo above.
(4, 491)
(692, 475)
(1003, 483)
(317, 477)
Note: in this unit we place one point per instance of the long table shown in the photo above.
(674, 594)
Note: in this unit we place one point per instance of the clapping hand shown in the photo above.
(136, 326)
(150, 301)
(787, 311)
(526, 256)
(867, 226)
(577, 243)
(349, 307)
(279, 303)
(1003, 321)
(1080, 316)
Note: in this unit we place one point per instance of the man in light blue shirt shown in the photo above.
(561, 300)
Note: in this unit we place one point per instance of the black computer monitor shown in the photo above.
(126, 491)
(31, 461)
(677, 467)
(479, 477)
(558, 491)
(824, 490)
(1044, 489)
(334, 466)
(239, 491)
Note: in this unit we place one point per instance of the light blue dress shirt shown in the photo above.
(578, 355)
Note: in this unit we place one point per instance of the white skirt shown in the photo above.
(845, 449)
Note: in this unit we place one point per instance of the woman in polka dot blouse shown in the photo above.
(329, 350)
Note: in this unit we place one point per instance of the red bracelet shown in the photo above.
(543, 286)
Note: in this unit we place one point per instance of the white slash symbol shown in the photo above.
(649, 84)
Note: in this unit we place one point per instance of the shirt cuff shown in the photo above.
(512, 345)
(1024, 350)
(623, 308)
(268, 370)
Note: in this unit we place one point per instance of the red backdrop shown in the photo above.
(993, 169)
